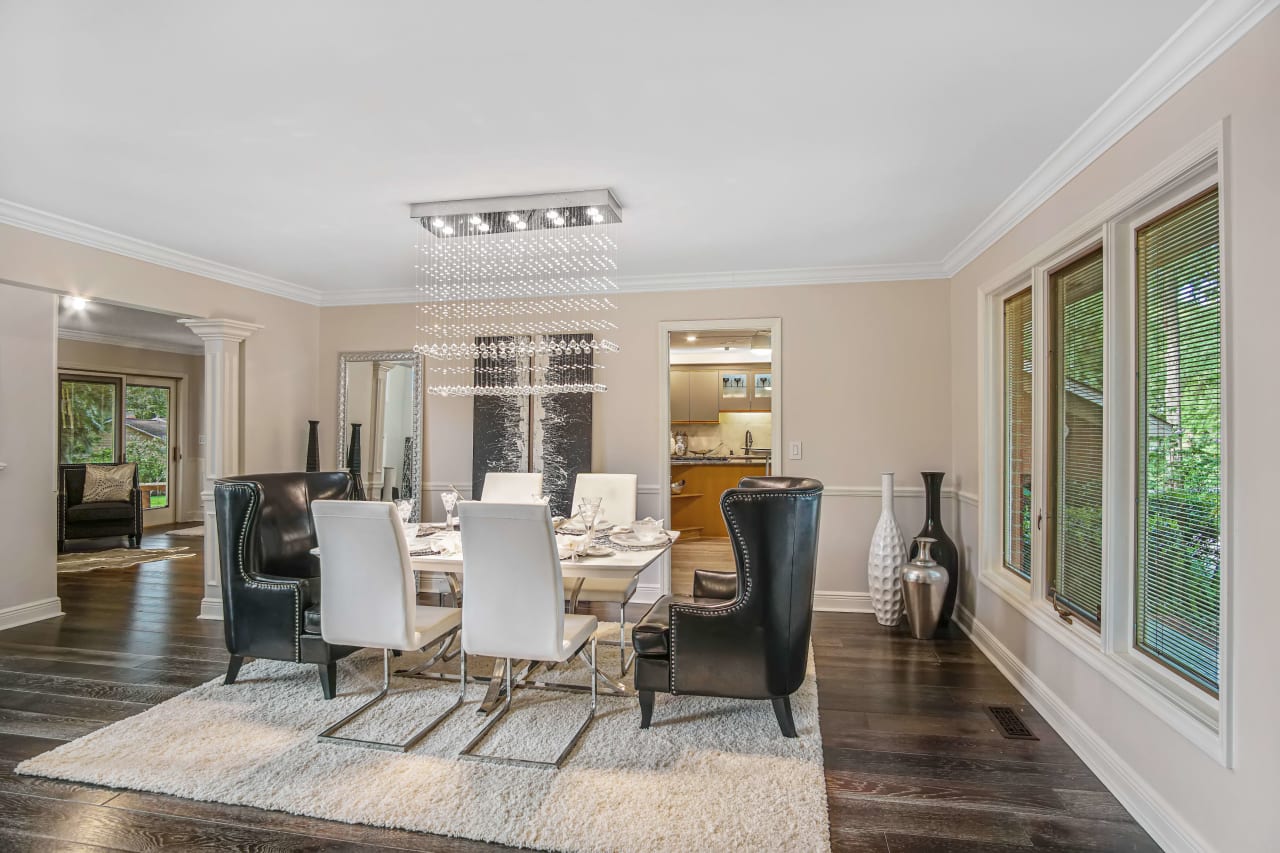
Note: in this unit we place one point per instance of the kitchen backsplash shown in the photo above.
(731, 430)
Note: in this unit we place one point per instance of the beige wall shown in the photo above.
(83, 355)
(28, 447)
(864, 386)
(1221, 809)
(279, 360)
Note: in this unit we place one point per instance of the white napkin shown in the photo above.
(566, 545)
(446, 544)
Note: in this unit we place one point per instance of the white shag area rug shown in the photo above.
(710, 773)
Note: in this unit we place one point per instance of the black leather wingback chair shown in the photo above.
(743, 636)
(79, 520)
(270, 578)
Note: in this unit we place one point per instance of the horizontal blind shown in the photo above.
(1076, 426)
(1017, 433)
(1179, 440)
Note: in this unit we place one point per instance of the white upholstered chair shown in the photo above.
(369, 599)
(513, 608)
(511, 487)
(617, 493)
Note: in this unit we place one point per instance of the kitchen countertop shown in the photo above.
(719, 460)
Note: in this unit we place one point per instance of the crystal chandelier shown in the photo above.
(515, 292)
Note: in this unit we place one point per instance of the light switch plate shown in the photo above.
(795, 450)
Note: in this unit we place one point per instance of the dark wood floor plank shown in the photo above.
(159, 804)
(13, 841)
(86, 688)
(35, 786)
(118, 829)
(21, 747)
(954, 769)
(99, 710)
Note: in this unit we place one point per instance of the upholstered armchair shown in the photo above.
(80, 520)
(743, 636)
(270, 578)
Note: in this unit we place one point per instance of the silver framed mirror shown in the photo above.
(383, 393)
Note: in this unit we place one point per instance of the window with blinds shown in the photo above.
(1075, 437)
(1017, 433)
(1179, 293)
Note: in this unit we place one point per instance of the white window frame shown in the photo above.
(1110, 650)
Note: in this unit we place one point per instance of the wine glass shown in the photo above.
(450, 501)
(589, 512)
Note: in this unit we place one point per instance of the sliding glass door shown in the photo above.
(108, 419)
(149, 442)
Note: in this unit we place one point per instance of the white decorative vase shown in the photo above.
(885, 562)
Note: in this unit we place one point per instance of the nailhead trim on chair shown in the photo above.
(252, 490)
(745, 575)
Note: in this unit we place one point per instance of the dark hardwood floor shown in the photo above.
(913, 763)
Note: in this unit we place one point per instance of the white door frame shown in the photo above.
(774, 325)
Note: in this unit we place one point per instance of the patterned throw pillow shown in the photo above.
(108, 483)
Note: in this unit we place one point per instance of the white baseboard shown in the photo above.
(211, 608)
(835, 601)
(32, 611)
(1146, 805)
(646, 594)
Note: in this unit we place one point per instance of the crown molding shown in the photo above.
(694, 281)
(21, 216)
(126, 341)
(1205, 36)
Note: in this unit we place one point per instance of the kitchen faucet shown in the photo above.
(747, 442)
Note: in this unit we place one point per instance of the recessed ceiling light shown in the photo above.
(690, 338)
(75, 303)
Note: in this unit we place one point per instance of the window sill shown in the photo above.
(1181, 706)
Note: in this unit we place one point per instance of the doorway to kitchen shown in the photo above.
(721, 410)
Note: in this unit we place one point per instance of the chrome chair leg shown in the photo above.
(468, 751)
(329, 736)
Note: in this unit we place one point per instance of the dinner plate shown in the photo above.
(630, 540)
(599, 551)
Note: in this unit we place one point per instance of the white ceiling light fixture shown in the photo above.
(75, 303)
(513, 304)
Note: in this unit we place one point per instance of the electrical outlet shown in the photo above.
(203, 440)
(795, 450)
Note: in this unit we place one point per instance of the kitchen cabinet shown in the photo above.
(746, 390)
(679, 396)
(694, 396)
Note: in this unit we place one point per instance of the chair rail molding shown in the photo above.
(222, 422)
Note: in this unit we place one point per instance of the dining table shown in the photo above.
(432, 553)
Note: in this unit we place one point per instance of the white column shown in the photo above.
(222, 451)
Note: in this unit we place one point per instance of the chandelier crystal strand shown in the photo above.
(516, 296)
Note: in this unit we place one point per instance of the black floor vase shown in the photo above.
(313, 445)
(353, 464)
(944, 552)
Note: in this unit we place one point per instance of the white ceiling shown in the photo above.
(286, 139)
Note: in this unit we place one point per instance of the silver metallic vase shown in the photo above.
(924, 590)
